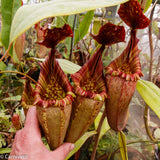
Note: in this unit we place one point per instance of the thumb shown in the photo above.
(62, 151)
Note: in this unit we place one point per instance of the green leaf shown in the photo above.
(155, 28)
(2, 66)
(13, 98)
(151, 95)
(122, 145)
(67, 66)
(96, 25)
(105, 126)
(70, 20)
(84, 26)
(80, 142)
(8, 8)
(157, 133)
(5, 150)
(59, 21)
(28, 15)
(2, 139)
(147, 5)
(18, 46)
(10, 67)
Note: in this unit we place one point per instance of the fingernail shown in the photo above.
(72, 146)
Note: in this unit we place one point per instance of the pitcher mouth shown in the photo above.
(127, 65)
(53, 87)
(89, 80)
(67, 100)
(91, 87)
(126, 74)
(93, 94)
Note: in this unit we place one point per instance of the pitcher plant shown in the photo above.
(122, 73)
(53, 93)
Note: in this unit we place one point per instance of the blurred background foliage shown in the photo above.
(139, 145)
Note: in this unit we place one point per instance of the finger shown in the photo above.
(62, 151)
(31, 123)
(16, 141)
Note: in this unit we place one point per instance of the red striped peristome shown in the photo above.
(121, 78)
(131, 13)
(53, 99)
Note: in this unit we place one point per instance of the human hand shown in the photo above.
(29, 146)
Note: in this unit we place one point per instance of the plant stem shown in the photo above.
(5, 133)
(106, 156)
(158, 66)
(20, 74)
(151, 45)
(141, 141)
(97, 135)
(157, 70)
(146, 112)
(134, 142)
(72, 40)
(152, 7)
(6, 53)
